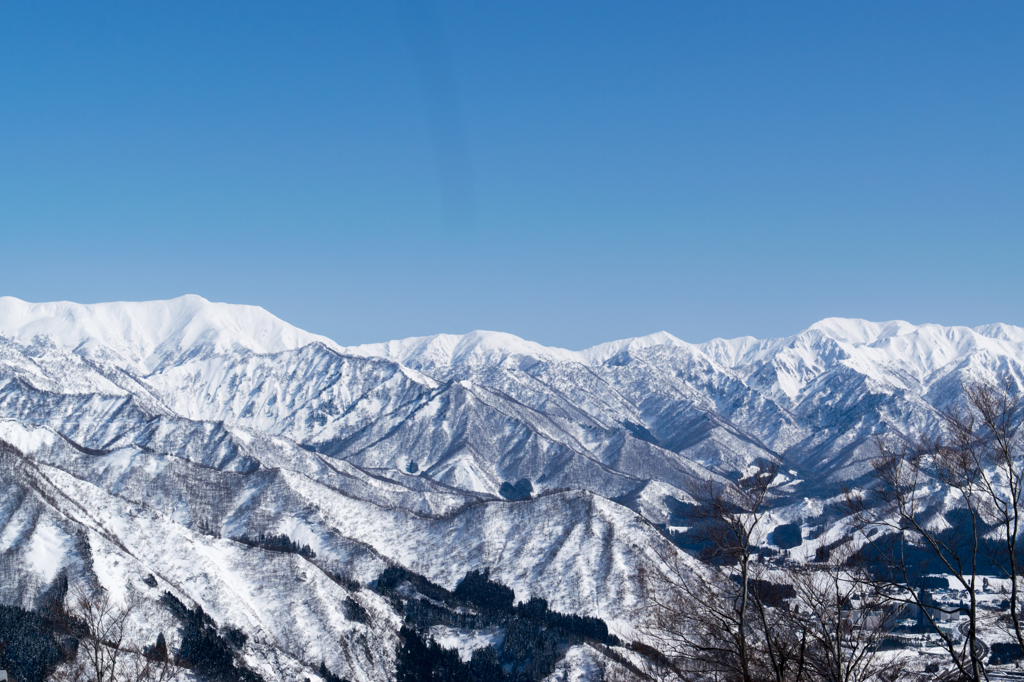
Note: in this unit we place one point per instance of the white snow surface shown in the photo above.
(488, 347)
(477, 409)
(144, 333)
(934, 345)
(148, 435)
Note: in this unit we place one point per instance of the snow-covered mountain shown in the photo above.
(140, 438)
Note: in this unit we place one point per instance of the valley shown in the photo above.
(141, 443)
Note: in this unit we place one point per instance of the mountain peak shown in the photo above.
(476, 347)
(142, 332)
(487, 347)
(860, 332)
(602, 352)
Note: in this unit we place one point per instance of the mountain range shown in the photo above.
(147, 439)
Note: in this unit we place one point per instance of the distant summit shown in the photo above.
(146, 333)
(216, 460)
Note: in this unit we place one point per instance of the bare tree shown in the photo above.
(145, 667)
(721, 618)
(105, 624)
(846, 617)
(949, 505)
(72, 670)
(986, 430)
(688, 628)
(105, 653)
(905, 530)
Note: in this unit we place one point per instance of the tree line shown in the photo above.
(534, 639)
(277, 543)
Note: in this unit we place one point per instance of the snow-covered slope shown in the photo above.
(815, 399)
(473, 411)
(146, 334)
(159, 431)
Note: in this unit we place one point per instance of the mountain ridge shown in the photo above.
(138, 331)
(145, 327)
(204, 423)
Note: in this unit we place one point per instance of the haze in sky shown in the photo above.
(569, 172)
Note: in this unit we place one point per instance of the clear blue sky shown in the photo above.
(571, 172)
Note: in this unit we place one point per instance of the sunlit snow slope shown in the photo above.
(141, 438)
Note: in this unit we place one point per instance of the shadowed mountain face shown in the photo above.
(143, 436)
(477, 410)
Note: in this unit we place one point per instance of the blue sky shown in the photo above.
(569, 172)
